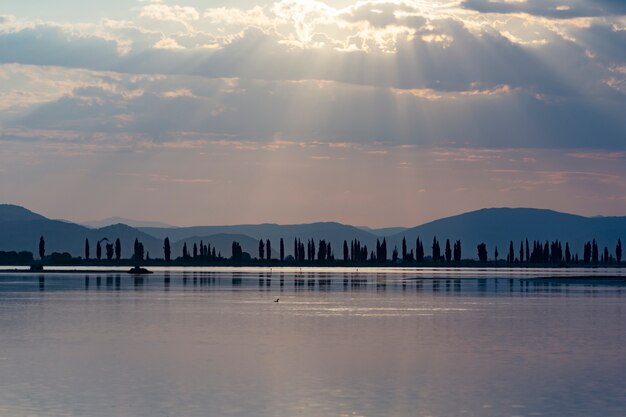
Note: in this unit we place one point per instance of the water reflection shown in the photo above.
(338, 343)
(318, 282)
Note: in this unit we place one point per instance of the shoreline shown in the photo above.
(575, 275)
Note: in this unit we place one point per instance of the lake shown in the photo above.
(340, 342)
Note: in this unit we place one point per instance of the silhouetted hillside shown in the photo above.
(97, 224)
(385, 231)
(20, 229)
(498, 226)
(12, 213)
(222, 242)
(336, 233)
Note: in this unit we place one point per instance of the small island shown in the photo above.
(137, 270)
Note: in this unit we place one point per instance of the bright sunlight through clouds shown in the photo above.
(269, 106)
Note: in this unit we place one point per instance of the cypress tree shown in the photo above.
(42, 247)
(282, 250)
(404, 249)
(482, 252)
(118, 249)
(87, 249)
(109, 251)
(167, 250)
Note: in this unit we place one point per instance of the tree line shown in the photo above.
(354, 252)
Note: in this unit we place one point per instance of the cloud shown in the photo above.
(550, 8)
(180, 14)
(396, 72)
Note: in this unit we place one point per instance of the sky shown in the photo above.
(377, 113)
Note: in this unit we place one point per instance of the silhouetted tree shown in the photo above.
(118, 249)
(261, 249)
(511, 253)
(521, 252)
(185, 251)
(618, 251)
(448, 251)
(568, 255)
(495, 254)
(167, 250)
(311, 250)
(296, 249)
(321, 254)
(268, 250)
(87, 249)
(98, 251)
(587, 253)
(42, 247)
(109, 251)
(394, 255)
(383, 252)
(195, 251)
(138, 250)
(436, 250)
(457, 251)
(594, 252)
(282, 250)
(300, 250)
(237, 252)
(527, 251)
(346, 252)
(404, 253)
(482, 252)
(606, 255)
(419, 250)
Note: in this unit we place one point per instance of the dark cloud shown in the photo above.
(49, 45)
(445, 56)
(260, 110)
(551, 8)
(471, 89)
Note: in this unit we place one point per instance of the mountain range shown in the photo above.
(21, 228)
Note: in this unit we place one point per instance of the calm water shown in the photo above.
(339, 343)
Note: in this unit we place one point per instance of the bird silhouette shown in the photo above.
(276, 300)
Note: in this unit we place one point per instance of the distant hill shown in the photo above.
(498, 226)
(222, 242)
(385, 231)
(336, 233)
(13, 213)
(96, 224)
(20, 229)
